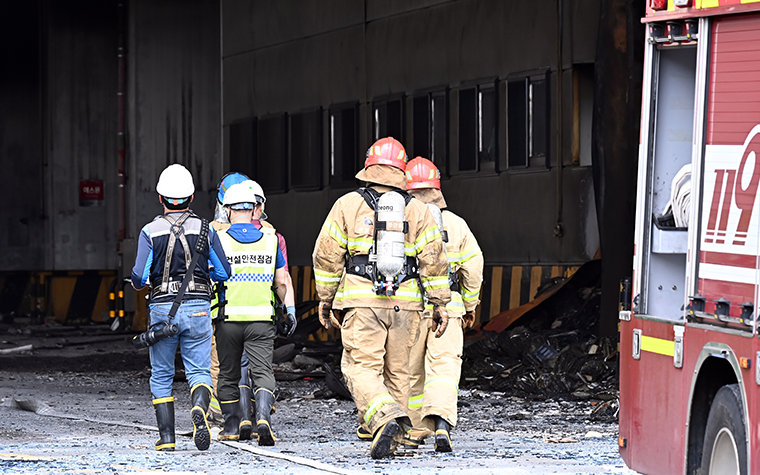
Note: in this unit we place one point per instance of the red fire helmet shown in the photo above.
(422, 173)
(386, 151)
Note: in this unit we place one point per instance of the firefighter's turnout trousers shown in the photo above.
(435, 365)
(376, 344)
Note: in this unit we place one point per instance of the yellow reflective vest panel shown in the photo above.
(348, 231)
(249, 292)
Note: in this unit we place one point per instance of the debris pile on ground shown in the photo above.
(310, 360)
(552, 350)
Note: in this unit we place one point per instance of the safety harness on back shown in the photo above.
(197, 285)
(365, 265)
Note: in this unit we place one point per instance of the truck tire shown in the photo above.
(725, 447)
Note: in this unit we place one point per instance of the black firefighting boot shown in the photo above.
(415, 437)
(214, 414)
(231, 413)
(385, 440)
(264, 408)
(165, 417)
(200, 397)
(363, 433)
(442, 434)
(246, 405)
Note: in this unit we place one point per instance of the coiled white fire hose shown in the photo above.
(680, 197)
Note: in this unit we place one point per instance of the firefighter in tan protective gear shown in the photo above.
(436, 363)
(378, 251)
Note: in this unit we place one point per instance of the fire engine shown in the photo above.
(689, 349)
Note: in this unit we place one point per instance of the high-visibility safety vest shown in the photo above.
(249, 292)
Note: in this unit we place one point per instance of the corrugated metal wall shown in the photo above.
(286, 58)
(58, 122)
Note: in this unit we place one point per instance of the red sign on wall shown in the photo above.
(91, 193)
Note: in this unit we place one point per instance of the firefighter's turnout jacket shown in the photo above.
(348, 231)
(466, 261)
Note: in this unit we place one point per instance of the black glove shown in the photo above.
(287, 325)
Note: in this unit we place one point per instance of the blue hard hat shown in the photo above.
(227, 181)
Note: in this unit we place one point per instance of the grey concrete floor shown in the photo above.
(104, 396)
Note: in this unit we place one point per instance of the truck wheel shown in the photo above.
(725, 448)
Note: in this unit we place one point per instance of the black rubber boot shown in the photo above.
(165, 417)
(231, 414)
(442, 434)
(245, 412)
(200, 397)
(384, 442)
(264, 404)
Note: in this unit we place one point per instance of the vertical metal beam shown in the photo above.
(121, 142)
(615, 132)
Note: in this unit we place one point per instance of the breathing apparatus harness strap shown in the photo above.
(364, 265)
(360, 265)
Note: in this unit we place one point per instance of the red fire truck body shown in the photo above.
(689, 349)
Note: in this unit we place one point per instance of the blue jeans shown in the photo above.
(194, 339)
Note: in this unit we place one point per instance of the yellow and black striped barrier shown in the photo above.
(66, 296)
(504, 288)
(99, 296)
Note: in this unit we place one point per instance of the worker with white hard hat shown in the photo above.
(165, 250)
(247, 322)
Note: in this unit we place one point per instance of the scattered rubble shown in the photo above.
(550, 351)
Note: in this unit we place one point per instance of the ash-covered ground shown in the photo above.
(90, 391)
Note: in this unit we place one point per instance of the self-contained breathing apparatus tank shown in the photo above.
(438, 218)
(389, 251)
(386, 265)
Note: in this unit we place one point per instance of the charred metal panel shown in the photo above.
(317, 71)
(173, 99)
(458, 42)
(255, 24)
(80, 109)
(583, 42)
(22, 218)
(377, 9)
(401, 48)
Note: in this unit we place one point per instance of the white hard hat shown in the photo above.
(258, 191)
(175, 182)
(241, 196)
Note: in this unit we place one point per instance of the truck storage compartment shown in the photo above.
(668, 167)
(669, 239)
